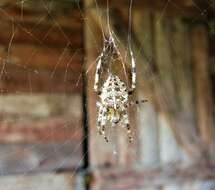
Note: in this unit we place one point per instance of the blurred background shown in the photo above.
(48, 134)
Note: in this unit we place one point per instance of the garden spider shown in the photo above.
(113, 94)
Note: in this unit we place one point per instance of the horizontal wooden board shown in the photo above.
(40, 117)
(40, 106)
(18, 79)
(40, 157)
(45, 130)
(39, 5)
(64, 181)
(185, 8)
(32, 56)
(125, 178)
(42, 34)
(69, 16)
(139, 4)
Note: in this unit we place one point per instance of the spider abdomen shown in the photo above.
(113, 90)
(114, 98)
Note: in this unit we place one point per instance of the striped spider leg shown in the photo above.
(108, 52)
(133, 72)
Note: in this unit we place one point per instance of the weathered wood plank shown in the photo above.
(33, 118)
(24, 13)
(41, 57)
(147, 116)
(124, 178)
(18, 79)
(96, 142)
(64, 181)
(172, 186)
(166, 91)
(203, 97)
(184, 118)
(44, 130)
(31, 106)
(174, 7)
(170, 152)
(39, 5)
(40, 157)
(173, 86)
(41, 34)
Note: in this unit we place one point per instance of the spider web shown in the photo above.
(53, 147)
(35, 71)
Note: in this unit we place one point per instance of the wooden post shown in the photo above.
(203, 97)
(116, 151)
(174, 85)
(91, 35)
(146, 115)
(166, 91)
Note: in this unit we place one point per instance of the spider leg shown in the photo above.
(102, 118)
(102, 132)
(126, 124)
(98, 73)
(133, 72)
(103, 59)
(137, 102)
(99, 120)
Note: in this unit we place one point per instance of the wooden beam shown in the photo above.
(16, 79)
(47, 35)
(40, 157)
(42, 5)
(41, 57)
(44, 130)
(174, 88)
(147, 126)
(125, 178)
(93, 44)
(40, 118)
(173, 7)
(65, 181)
(66, 19)
(203, 97)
